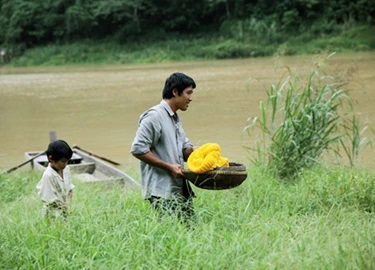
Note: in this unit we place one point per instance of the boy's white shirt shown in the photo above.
(53, 188)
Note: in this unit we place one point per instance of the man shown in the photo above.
(162, 147)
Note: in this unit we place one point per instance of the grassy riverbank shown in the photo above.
(190, 48)
(323, 220)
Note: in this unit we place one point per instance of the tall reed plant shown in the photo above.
(302, 119)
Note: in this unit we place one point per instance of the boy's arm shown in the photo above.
(70, 195)
(47, 189)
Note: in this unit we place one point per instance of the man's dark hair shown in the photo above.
(177, 81)
(58, 150)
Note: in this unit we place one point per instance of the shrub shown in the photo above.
(315, 117)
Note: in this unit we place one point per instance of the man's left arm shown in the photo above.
(187, 152)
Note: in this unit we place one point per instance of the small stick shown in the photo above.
(94, 155)
(20, 165)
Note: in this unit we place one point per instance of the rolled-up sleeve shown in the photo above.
(148, 132)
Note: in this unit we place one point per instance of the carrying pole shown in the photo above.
(94, 155)
(52, 136)
(24, 163)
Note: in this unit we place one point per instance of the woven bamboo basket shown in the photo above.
(219, 178)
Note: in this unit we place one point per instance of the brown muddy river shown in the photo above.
(97, 107)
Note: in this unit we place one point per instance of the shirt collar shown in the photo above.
(55, 173)
(166, 106)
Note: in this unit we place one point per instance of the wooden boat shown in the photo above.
(85, 167)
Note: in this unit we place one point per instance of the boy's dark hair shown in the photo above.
(177, 81)
(58, 150)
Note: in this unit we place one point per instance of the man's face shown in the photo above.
(182, 102)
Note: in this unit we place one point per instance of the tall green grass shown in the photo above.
(303, 118)
(323, 221)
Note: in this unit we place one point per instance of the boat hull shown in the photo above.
(85, 167)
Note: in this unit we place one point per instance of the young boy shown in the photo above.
(55, 187)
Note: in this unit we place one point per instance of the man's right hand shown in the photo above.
(150, 158)
(176, 170)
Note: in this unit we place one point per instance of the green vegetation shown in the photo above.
(189, 48)
(61, 32)
(321, 218)
(304, 117)
(325, 220)
(361, 38)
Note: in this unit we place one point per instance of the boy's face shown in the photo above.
(59, 165)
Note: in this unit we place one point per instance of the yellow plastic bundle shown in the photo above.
(206, 158)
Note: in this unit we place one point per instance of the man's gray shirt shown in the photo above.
(160, 131)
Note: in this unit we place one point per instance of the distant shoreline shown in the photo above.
(184, 49)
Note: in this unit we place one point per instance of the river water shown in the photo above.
(97, 107)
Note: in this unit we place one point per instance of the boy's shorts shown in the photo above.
(54, 211)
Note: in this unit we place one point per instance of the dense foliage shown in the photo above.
(32, 22)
